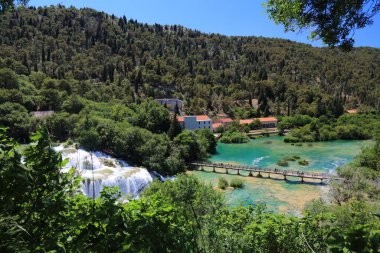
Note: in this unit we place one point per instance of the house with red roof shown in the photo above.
(245, 121)
(217, 125)
(223, 121)
(267, 122)
(195, 122)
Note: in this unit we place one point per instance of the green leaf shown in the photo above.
(65, 162)
(36, 137)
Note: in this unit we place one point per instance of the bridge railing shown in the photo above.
(266, 170)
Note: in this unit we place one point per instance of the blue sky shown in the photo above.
(229, 17)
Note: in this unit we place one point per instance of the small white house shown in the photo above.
(195, 122)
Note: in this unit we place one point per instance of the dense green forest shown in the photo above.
(105, 58)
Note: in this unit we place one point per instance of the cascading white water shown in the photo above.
(108, 171)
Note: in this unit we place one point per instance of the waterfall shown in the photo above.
(108, 171)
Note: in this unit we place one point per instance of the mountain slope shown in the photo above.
(102, 57)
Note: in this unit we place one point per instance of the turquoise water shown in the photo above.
(277, 194)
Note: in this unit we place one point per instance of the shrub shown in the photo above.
(256, 124)
(234, 136)
(289, 158)
(222, 183)
(236, 183)
(303, 162)
(294, 121)
(291, 139)
(219, 129)
(283, 163)
(352, 132)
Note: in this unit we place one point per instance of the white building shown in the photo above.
(195, 122)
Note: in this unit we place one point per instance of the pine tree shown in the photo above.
(176, 109)
(175, 128)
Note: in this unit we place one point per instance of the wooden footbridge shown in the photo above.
(260, 171)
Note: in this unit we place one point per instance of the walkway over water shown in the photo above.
(268, 171)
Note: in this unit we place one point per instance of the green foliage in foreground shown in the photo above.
(42, 210)
(334, 22)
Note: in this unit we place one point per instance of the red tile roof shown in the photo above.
(198, 118)
(216, 125)
(246, 121)
(223, 120)
(262, 120)
(202, 117)
(268, 119)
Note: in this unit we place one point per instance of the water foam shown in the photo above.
(99, 170)
(256, 161)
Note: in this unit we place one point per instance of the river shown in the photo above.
(279, 195)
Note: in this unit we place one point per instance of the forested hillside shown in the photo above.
(105, 58)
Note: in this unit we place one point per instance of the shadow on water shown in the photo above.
(293, 182)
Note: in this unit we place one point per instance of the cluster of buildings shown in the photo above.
(203, 121)
(193, 122)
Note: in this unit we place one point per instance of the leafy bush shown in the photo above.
(236, 183)
(303, 162)
(256, 124)
(352, 132)
(219, 129)
(207, 139)
(289, 158)
(222, 183)
(290, 139)
(294, 121)
(234, 136)
(282, 163)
